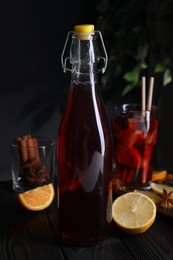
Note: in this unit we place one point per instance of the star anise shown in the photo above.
(166, 198)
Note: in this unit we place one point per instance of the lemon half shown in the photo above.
(133, 212)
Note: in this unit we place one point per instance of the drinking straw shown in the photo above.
(143, 94)
(148, 149)
(150, 94)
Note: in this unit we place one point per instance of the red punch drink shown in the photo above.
(135, 138)
(84, 167)
(84, 150)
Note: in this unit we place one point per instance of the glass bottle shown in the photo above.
(84, 146)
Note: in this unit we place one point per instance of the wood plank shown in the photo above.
(25, 234)
(34, 235)
(110, 249)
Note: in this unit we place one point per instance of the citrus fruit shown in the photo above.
(153, 196)
(159, 175)
(38, 198)
(128, 156)
(127, 137)
(133, 212)
(158, 188)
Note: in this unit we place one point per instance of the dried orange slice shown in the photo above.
(38, 198)
(159, 175)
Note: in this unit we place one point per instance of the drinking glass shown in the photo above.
(32, 162)
(135, 136)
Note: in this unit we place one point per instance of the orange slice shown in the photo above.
(38, 198)
(159, 175)
(128, 156)
(128, 137)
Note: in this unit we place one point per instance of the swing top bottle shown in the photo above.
(84, 146)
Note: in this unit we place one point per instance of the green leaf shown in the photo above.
(144, 65)
(136, 49)
(132, 76)
(167, 77)
(159, 68)
(128, 88)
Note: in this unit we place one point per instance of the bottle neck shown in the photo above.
(84, 59)
(84, 73)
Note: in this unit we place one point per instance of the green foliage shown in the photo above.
(128, 28)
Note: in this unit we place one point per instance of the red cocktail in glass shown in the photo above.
(135, 135)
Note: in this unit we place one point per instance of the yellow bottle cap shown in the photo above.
(84, 31)
(84, 28)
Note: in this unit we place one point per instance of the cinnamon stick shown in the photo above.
(23, 151)
(32, 145)
(26, 137)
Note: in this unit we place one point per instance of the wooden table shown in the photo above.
(33, 235)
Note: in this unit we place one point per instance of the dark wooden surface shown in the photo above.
(34, 235)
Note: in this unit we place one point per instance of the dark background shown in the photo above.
(33, 86)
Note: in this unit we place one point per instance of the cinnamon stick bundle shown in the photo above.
(32, 171)
(28, 148)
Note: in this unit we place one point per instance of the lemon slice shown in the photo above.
(133, 212)
(158, 188)
(159, 175)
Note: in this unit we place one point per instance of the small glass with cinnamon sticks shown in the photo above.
(32, 162)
